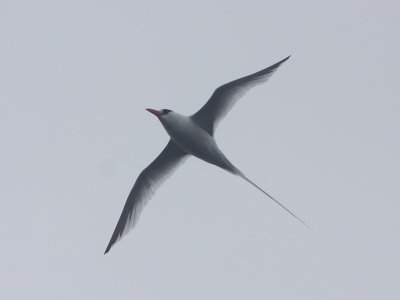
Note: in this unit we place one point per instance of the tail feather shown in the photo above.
(276, 201)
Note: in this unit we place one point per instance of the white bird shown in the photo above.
(189, 135)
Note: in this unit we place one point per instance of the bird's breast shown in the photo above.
(193, 139)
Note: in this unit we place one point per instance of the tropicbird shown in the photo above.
(190, 135)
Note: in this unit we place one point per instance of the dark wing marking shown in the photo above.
(144, 188)
(224, 97)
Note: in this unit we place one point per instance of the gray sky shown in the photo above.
(322, 136)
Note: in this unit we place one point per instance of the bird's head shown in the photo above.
(159, 113)
(168, 118)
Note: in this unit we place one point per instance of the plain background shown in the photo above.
(322, 136)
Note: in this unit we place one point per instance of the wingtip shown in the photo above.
(285, 59)
(107, 249)
(280, 62)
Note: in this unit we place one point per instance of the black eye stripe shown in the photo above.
(165, 111)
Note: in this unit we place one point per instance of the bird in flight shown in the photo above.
(190, 135)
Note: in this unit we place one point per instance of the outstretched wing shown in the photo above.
(144, 188)
(224, 97)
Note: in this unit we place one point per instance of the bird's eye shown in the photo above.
(165, 111)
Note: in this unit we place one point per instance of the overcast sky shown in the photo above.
(322, 136)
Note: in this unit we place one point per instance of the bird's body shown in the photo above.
(189, 135)
(195, 140)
